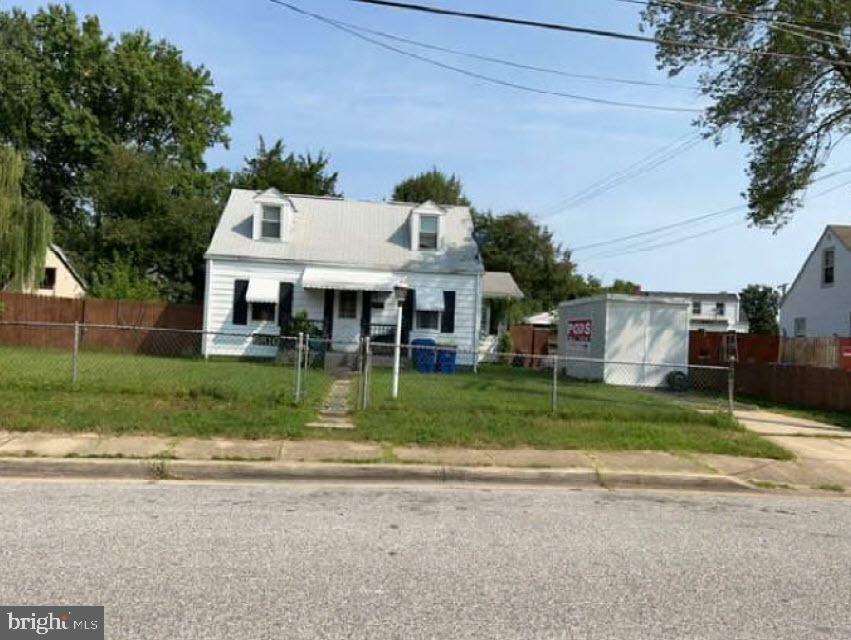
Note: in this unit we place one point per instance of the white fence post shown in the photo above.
(555, 385)
(298, 369)
(75, 355)
(731, 385)
(365, 373)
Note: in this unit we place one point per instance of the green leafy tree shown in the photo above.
(431, 185)
(68, 92)
(288, 173)
(160, 213)
(760, 304)
(542, 269)
(779, 72)
(25, 227)
(120, 279)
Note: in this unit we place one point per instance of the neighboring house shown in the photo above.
(710, 311)
(818, 303)
(275, 255)
(497, 287)
(60, 279)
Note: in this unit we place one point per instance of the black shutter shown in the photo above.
(408, 315)
(447, 320)
(328, 314)
(366, 313)
(240, 306)
(285, 305)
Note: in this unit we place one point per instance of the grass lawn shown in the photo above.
(510, 407)
(122, 393)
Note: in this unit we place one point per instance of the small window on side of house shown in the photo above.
(270, 222)
(720, 308)
(695, 307)
(262, 312)
(49, 280)
(428, 232)
(348, 304)
(800, 327)
(828, 272)
(428, 320)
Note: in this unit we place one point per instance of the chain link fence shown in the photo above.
(535, 382)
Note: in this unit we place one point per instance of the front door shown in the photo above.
(347, 315)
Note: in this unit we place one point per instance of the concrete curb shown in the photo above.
(166, 469)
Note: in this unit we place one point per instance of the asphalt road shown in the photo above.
(256, 561)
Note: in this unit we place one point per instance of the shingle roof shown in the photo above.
(500, 284)
(346, 232)
(843, 232)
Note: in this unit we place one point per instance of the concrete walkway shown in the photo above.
(822, 469)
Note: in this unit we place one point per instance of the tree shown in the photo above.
(120, 279)
(302, 174)
(431, 185)
(159, 215)
(542, 269)
(780, 72)
(760, 304)
(68, 93)
(25, 227)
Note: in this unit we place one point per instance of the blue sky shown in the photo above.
(382, 117)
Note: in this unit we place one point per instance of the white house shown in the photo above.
(60, 279)
(719, 311)
(819, 301)
(274, 255)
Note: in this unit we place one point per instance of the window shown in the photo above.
(262, 312)
(695, 307)
(348, 304)
(800, 327)
(428, 320)
(270, 223)
(428, 232)
(720, 308)
(827, 261)
(49, 281)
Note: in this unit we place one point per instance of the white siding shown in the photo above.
(218, 312)
(827, 309)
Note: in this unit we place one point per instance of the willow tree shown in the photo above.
(25, 227)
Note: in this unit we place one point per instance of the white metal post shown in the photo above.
(555, 384)
(298, 369)
(306, 362)
(397, 352)
(75, 356)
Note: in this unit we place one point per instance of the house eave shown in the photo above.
(346, 265)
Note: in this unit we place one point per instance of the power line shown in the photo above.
(479, 76)
(514, 64)
(783, 26)
(605, 33)
(653, 160)
(643, 248)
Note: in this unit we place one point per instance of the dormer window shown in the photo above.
(428, 232)
(270, 224)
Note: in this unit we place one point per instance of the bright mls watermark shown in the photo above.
(67, 623)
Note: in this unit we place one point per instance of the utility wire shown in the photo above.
(479, 76)
(643, 248)
(618, 35)
(514, 64)
(783, 26)
(653, 160)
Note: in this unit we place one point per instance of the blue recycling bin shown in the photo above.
(424, 357)
(446, 357)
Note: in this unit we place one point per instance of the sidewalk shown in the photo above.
(92, 455)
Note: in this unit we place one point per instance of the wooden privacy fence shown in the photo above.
(106, 324)
(816, 387)
(532, 341)
(707, 348)
(813, 352)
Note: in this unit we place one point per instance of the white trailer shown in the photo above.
(624, 340)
